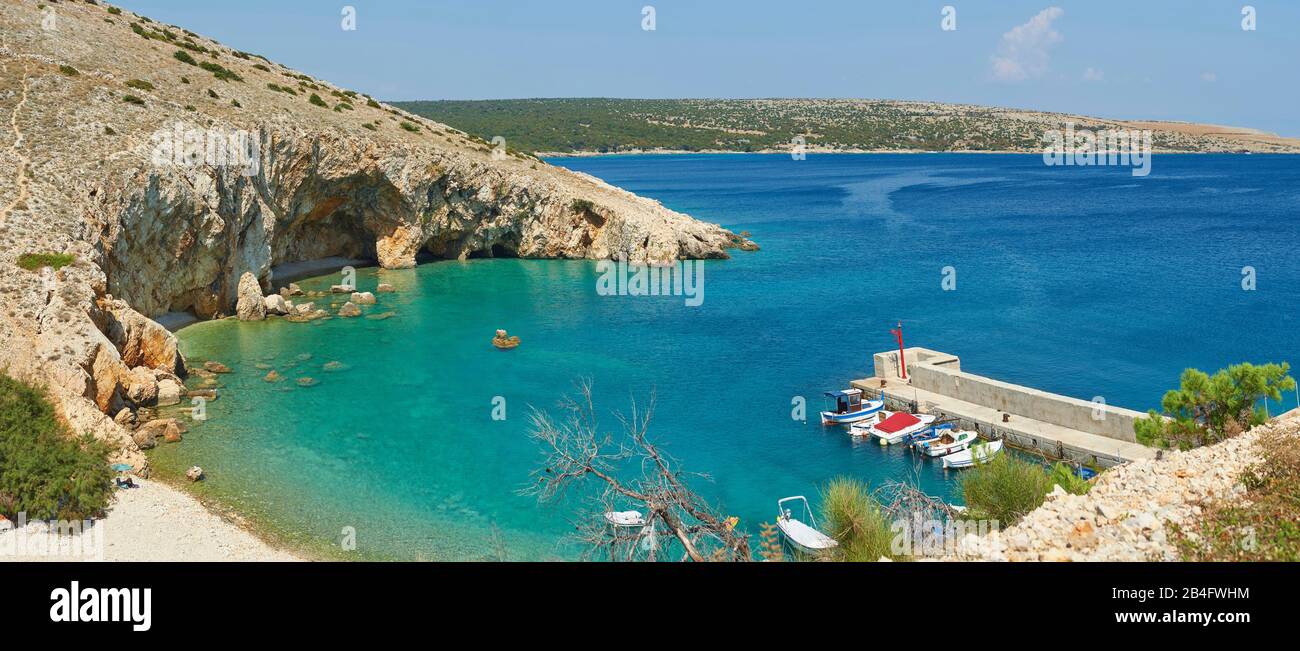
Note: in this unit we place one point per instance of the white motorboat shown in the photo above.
(970, 456)
(894, 427)
(625, 518)
(948, 443)
(804, 537)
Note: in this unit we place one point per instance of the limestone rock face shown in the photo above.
(251, 306)
(153, 232)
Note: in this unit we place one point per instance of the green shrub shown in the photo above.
(132, 99)
(185, 57)
(34, 261)
(220, 72)
(235, 103)
(581, 206)
(44, 472)
(372, 103)
(1004, 489)
(1063, 475)
(370, 126)
(213, 94)
(315, 99)
(114, 10)
(852, 517)
(261, 67)
(410, 127)
(139, 84)
(69, 71)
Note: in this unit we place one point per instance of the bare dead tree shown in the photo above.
(904, 501)
(577, 453)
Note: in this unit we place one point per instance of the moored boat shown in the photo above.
(948, 443)
(625, 518)
(970, 456)
(894, 427)
(802, 536)
(849, 407)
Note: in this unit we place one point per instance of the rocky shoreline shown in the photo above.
(1126, 514)
(140, 235)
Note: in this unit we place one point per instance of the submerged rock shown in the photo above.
(385, 288)
(340, 289)
(363, 298)
(349, 309)
(272, 377)
(335, 366)
(195, 473)
(381, 316)
(215, 367)
(307, 382)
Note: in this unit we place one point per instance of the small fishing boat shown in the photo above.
(849, 407)
(894, 427)
(927, 435)
(971, 456)
(629, 519)
(947, 444)
(804, 537)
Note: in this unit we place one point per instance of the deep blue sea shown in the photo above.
(1083, 281)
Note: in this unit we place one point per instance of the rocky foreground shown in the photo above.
(1124, 516)
(165, 167)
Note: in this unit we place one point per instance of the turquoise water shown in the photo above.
(1083, 281)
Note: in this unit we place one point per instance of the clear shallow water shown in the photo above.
(1083, 281)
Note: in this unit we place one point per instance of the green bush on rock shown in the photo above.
(1004, 489)
(44, 472)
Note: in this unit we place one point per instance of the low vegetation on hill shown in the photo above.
(1265, 524)
(603, 125)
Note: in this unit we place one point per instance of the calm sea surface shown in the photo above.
(1083, 281)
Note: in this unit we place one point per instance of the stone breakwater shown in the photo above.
(1123, 517)
(87, 108)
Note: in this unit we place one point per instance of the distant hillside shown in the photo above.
(599, 125)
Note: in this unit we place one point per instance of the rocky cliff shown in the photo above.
(168, 166)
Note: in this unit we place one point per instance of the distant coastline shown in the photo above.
(599, 126)
(681, 152)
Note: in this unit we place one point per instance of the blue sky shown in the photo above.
(1158, 59)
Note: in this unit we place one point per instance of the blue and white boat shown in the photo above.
(849, 407)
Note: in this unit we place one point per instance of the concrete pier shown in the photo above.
(1054, 425)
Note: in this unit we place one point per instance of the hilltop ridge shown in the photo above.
(604, 125)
